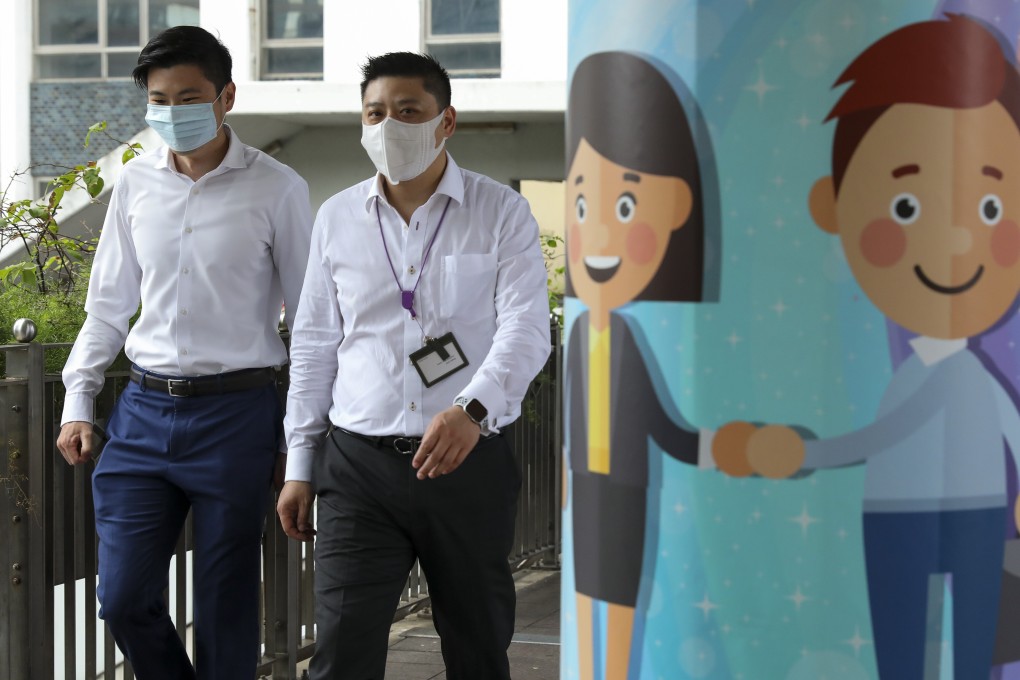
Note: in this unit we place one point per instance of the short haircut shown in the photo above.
(185, 45)
(956, 62)
(435, 79)
(632, 112)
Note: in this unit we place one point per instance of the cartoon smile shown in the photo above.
(601, 268)
(949, 290)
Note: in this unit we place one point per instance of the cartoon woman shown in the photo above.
(637, 200)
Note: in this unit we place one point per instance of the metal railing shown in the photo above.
(48, 541)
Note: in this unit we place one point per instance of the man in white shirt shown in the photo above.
(423, 319)
(211, 237)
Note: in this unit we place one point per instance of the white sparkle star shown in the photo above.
(734, 339)
(760, 87)
(779, 308)
(679, 508)
(848, 22)
(798, 598)
(804, 122)
(857, 641)
(779, 222)
(804, 520)
(706, 606)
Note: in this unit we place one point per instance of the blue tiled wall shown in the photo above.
(63, 112)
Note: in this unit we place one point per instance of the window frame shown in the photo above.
(265, 44)
(100, 47)
(428, 39)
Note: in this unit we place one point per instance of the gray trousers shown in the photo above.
(374, 518)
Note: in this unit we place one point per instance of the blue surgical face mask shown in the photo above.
(185, 127)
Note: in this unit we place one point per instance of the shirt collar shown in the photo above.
(933, 350)
(451, 184)
(233, 159)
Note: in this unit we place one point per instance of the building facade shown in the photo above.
(66, 64)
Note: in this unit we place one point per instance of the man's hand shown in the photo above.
(448, 440)
(294, 507)
(75, 442)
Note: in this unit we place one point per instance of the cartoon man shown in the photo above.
(637, 200)
(925, 196)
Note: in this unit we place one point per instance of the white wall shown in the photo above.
(354, 31)
(234, 22)
(534, 37)
(15, 79)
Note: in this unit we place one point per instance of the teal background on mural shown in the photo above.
(754, 578)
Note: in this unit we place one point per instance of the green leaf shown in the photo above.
(95, 187)
(56, 197)
(28, 277)
(95, 127)
(39, 212)
(127, 155)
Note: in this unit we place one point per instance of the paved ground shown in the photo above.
(535, 650)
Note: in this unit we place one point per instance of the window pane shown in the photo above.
(166, 13)
(69, 66)
(120, 64)
(452, 17)
(68, 22)
(468, 58)
(294, 18)
(294, 60)
(121, 23)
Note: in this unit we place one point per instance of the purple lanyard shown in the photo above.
(407, 296)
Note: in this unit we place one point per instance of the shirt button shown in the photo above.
(410, 270)
(187, 230)
(184, 352)
(185, 270)
(413, 407)
(184, 312)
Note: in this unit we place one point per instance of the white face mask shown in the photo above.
(402, 151)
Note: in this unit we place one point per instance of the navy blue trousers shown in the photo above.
(374, 518)
(902, 550)
(213, 454)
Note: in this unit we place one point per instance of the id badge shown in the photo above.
(438, 359)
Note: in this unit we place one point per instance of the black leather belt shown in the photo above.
(404, 445)
(234, 381)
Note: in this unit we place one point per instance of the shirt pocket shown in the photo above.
(468, 286)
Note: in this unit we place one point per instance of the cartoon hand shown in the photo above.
(775, 451)
(729, 448)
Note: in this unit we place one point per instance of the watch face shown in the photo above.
(475, 409)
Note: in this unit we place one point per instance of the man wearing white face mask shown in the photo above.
(210, 236)
(423, 320)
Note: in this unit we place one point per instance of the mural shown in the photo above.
(714, 321)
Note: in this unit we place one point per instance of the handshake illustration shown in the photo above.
(741, 449)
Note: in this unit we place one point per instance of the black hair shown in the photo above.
(185, 45)
(435, 79)
(630, 111)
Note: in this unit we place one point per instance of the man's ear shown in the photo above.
(448, 125)
(229, 96)
(822, 203)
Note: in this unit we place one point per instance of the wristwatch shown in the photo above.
(475, 410)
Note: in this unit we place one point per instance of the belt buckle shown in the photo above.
(411, 444)
(177, 387)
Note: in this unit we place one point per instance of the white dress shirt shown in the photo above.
(484, 280)
(210, 261)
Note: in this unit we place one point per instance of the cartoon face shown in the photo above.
(928, 216)
(619, 224)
